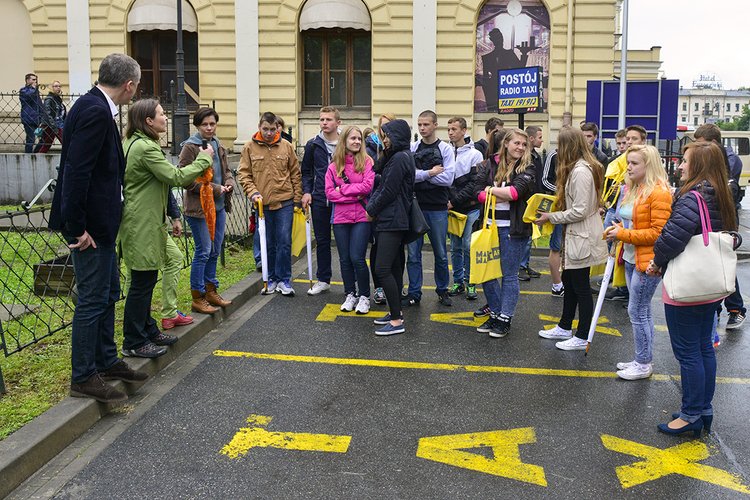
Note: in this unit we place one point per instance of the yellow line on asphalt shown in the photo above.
(415, 365)
(426, 287)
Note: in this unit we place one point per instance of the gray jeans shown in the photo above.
(641, 288)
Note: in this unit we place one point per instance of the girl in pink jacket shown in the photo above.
(349, 182)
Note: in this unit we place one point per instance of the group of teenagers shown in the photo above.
(363, 185)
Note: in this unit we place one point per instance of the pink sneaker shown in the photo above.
(179, 320)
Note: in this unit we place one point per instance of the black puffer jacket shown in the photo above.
(684, 223)
(525, 186)
(390, 202)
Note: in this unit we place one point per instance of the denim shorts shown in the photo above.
(555, 239)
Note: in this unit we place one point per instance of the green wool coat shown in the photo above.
(142, 239)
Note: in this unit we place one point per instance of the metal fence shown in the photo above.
(13, 135)
(36, 271)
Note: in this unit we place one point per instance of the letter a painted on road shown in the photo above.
(256, 436)
(450, 449)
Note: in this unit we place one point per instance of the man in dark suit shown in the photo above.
(86, 207)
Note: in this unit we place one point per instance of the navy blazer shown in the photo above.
(88, 194)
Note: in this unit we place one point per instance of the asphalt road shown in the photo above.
(291, 400)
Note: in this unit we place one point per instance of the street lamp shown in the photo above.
(181, 118)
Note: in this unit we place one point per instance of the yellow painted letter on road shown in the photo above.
(332, 311)
(256, 436)
(507, 457)
(460, 319)
(681, 459)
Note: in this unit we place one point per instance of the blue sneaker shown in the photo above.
(384, 320)
(389, 329)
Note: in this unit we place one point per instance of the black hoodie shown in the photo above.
(390, 202)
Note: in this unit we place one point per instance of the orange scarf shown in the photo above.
(207, 200)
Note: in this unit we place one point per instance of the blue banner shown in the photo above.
(519, 90)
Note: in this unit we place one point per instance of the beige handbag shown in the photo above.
(705, 271)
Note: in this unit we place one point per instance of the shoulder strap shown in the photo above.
(131, 145)
(705, 218)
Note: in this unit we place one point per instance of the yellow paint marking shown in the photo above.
(460, 319)
(256, 436)
(415, 365)
(506, 461)
(681, 459)
(661, 328)
(332, 311)
(601, 329)
(426, 287)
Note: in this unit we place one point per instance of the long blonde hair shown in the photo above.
(505, 164)
(571, 147)
(339, 154)
(656, 175)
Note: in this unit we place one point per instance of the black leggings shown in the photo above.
(373, 259)
(389, 268)
(577, 293)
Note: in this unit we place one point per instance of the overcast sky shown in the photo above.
(695, 37)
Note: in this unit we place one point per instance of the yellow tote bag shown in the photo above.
(456, 223)
(485, 248)
(539, 203)
(299, 239)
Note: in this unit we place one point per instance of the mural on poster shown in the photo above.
(510, 34)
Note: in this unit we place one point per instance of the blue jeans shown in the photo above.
(138, 326)
(351, 241)
(692, 344)
(321, 221)
(279, 242)
(526, 255)
(609, 219)
(460, 249)
(29, 129)
(503, 300)
(641, 288)
(93, 346)
(203, 268)
(555, 239)
(438, 222)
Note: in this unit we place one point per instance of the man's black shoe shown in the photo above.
(523, 274)
(148, 350)
(619, 293)
(533, 273)
(444, 299)
(482, 311)
(164, 339)
(500, 329)
(95, 388)
(121, 371)
(409, 300)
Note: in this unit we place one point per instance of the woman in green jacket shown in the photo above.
(143, 231)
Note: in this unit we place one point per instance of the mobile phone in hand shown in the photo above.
(204, 144)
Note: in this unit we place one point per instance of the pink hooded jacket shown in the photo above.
(347, 208)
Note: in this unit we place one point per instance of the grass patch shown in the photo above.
(38, 377)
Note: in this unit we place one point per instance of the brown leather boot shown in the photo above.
(213, 297)
(200, 305)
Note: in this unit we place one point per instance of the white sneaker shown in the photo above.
(636, 371)
(349, 303)
(270, 289)
(556, 333)
(285, 289)
(625, 366)
(318, 288)
(572, 344)
(363, 306)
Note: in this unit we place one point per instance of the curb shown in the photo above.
(29, 448)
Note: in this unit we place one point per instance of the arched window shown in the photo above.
(510, 34)
(336, 54)
(153, 36)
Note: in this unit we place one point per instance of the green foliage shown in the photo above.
(38, 377)
(740, 123)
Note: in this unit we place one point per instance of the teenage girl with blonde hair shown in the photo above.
(644, 209)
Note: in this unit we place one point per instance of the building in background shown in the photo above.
(366, 57)
(710, 105)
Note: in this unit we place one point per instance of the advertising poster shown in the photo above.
(510, 34)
